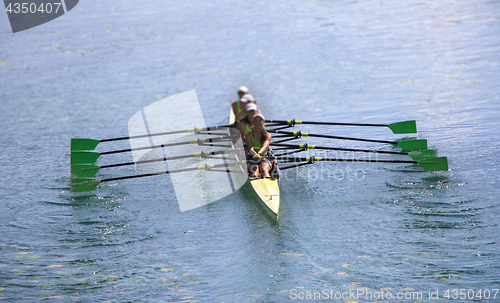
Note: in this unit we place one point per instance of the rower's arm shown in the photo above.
(265, 146)
(242, 128)
(248, 140)
(234, 107)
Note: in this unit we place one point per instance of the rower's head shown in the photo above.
(259, 122)
(242, 90)
(247, 99)
(251, 109)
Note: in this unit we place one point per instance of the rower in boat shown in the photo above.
(238, 105)
(247, 99)
(245, 123)
(258, 140)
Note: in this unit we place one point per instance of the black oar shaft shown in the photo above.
(143, 136)
(352, 139)
(323, 123)
(200, 141)
(201, 154)
(308, 159)
(194, 130)
(299, 134)
(202, 167)
(306, 146)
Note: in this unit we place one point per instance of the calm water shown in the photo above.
(393, 228)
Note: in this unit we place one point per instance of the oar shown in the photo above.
(427, 153)
(89, 157)
(404, 127)
(89, 184)
(90, 144)
(404, 144)
(428, 164)
(90, 170)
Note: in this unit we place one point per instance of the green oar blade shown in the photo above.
(412, 144)
(434, 164)
(84, 170)
(404, 127)
(418, 158)
(84, 157)
(79, 185)
(422, 154)
(83, 144)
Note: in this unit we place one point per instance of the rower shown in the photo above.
(247, 99)
(258, 140)
(245, 124)
(236, 106)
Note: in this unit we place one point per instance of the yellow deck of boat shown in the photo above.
(266, 189)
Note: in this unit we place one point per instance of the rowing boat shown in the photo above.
(83, 156)
(266, 189)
